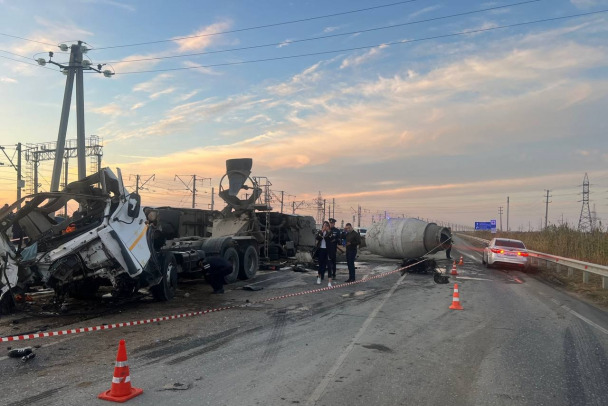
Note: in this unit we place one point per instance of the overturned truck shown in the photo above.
(245, 232)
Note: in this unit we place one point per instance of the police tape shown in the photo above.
(192, 314)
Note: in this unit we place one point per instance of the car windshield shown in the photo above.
(510, 244)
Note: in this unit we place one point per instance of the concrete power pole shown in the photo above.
(500, 213)
(507, 214)
(74, 70)
(547, 208)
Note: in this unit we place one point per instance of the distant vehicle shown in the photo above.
(361, 230)
(505, 251)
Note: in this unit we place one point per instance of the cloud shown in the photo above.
(7, 80)
(112, 3)
(424, 11)
(284, 43)
(156, 87)
(585, 4)
(358, 60)
(156, 95)
(112, 109)
(200, 69)
(203, 38)
(298, 82)
(187, 96)
(137, 106)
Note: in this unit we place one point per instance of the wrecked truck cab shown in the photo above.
(105, 241)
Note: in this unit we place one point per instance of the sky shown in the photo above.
(441, 110)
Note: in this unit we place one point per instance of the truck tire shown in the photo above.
(249, 262)
(232, 255)
(165, 290)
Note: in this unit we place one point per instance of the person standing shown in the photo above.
(334, 241)
(322, 238)
(353, 239)
(449, 243)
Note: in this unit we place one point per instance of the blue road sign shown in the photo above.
(485, 225)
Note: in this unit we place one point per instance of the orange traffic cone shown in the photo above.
(454, 271)
(461, 262)
(121, 389)
(456, 299)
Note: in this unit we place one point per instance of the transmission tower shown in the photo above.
(585, 223)
(47, 151)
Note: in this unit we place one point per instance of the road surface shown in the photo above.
(391, 340)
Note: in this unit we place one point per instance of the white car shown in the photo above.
(361, 230)
(505, 251)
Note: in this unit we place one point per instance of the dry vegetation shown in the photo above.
(566, 242)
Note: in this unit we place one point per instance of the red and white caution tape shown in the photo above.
(191, 314)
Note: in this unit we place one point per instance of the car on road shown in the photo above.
(361, 230)
(506, 252)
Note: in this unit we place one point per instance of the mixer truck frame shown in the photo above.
(109, 239)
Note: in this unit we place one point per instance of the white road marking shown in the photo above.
(320, 390)
(473, 279)
(586, 320)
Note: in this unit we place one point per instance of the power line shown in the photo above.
(27, 39)
(324, 36)
(365, 47)
(259, 26)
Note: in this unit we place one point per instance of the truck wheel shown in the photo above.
(232, 255)
(165, 290)
(249, 262)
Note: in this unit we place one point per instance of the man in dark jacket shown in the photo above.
(332, 248)
(353, 239)
(215, 269)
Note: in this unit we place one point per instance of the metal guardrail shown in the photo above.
(549, 261)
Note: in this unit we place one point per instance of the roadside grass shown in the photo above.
(566, 242)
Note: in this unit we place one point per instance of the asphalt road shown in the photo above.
(386, 341)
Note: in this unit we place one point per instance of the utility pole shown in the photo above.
(333, 204)
(500, 212)
(282, 197)
(547, 208)
(212, 198)
(359, 216)
(138, 178)
(324, 204)
(74, 70)
(17, 168)
(507, 214)
(193, 189)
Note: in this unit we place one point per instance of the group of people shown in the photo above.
(328, 240)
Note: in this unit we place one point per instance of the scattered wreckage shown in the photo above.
(411, 240)
(106, 241)
(112, 240)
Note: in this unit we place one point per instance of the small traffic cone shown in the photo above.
(454, 271)
(456, 299)
(461, 262)
(121, 389)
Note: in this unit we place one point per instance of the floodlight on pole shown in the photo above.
(63, 47)
(41, 61)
